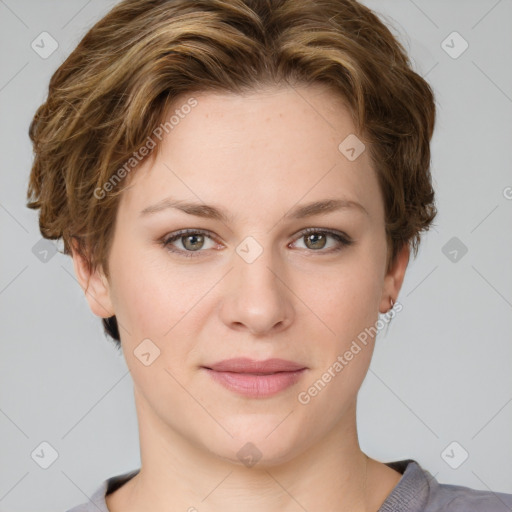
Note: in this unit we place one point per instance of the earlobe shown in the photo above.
(394, 279)
(94, 284)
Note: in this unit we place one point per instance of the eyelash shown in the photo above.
(343, 240)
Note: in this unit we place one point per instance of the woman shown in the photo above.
(239, 184)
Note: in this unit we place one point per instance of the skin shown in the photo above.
(258, 156)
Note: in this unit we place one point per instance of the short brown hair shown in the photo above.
(108, 96)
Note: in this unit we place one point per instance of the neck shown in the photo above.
(330, 473)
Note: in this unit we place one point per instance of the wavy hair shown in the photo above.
(108, 96)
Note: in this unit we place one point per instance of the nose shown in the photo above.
(257, 296)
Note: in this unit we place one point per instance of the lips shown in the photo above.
(255, 379)
(251, 366)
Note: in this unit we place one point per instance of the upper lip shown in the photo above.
(247, 365)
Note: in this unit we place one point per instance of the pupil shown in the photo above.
(188, 238)
(315, 238)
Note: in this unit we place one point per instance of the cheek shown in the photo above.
(151, 296)
(344, 341)
(343, 351)
(345, 300)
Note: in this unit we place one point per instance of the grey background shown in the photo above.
(440, 374)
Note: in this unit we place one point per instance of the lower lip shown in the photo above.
(256, 386)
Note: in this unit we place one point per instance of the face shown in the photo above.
(265, 280)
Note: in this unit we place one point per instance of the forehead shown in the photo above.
(271, 146)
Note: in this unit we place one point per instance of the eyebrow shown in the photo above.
(215, 213)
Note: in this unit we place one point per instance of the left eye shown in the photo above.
(315, 239)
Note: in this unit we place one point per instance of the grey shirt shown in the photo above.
(417, 491)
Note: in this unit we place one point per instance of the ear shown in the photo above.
(94, 284)
(394, 279)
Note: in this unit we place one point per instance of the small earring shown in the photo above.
(392, 304)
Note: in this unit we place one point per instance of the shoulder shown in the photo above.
(457, 498)
(419, 491)
(97, 502)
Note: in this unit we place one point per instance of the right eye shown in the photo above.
(192, 240)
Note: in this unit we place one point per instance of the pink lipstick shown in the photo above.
(256, 379)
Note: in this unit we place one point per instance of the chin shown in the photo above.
(257, 441)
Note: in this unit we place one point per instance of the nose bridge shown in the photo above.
(258, 299)
(257, 265)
